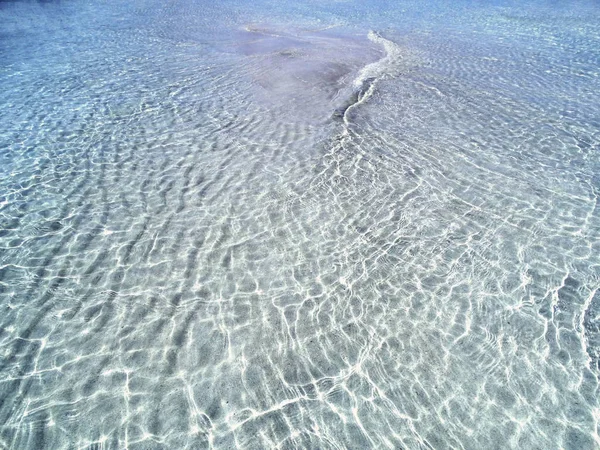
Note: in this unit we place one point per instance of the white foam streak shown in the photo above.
(388, 66)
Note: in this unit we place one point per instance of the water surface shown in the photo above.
(295, 225)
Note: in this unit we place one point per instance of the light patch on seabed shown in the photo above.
(374, 228)
(304, 73)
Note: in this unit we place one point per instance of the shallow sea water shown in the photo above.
(299, 225)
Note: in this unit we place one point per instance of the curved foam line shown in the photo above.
(367, 78)
(386, 66)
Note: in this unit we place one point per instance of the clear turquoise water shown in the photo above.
(299, 225)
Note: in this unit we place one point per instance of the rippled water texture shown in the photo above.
(299, 225)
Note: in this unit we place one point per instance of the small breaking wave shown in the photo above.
(387, 66)
(368, 77)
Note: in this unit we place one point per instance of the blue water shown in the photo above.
(311, 225)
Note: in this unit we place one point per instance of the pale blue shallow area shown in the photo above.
(299, 224)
